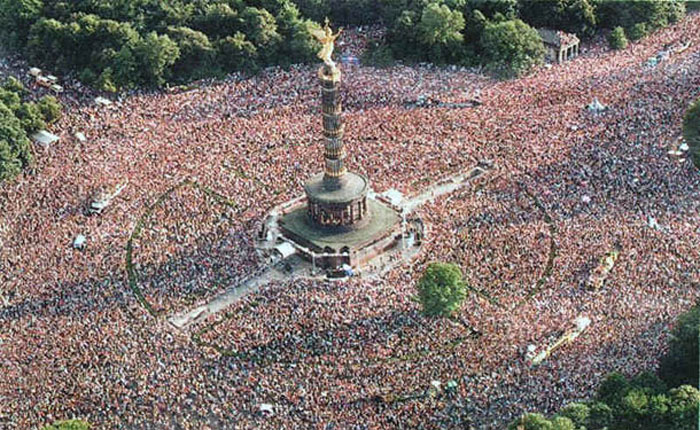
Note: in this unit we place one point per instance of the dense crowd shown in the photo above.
(570, 186)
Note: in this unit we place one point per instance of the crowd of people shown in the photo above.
(570, 186)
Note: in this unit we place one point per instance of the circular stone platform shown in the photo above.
(337, 202)
(351, 186)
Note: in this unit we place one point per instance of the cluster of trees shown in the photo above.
(644, 402)
(501, 34)
(691, 131)
(117, 44)
(465, 32)
(18, 120)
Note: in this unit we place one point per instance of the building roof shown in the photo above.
(557, 38)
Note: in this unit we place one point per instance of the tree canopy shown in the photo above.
(512, 47)
(18, 119)
(114, 44)
(441, 289)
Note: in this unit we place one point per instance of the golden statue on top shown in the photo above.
(327, 39)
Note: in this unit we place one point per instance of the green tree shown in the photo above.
(578, 413)
(512, 47)
(237, 53)
(576, 16)
(31, 118)
(441, 289)
(196, 51)
(301, 46)
(14, 85)
(531, 421)
(600, 416)
(439, 31)
(68, 425)
(680, 364)
(50, 109)
(617, 38)
(562, 423)
(16, 18)
(154, 55)
(691, 134)
(612, 389)
(15, 147)
(217, 20)
(261, 29)
(439, 25)
(638, 31)
(683, 407)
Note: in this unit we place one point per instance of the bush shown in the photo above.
(638, 31)
(531, 422)
(68, 425)
(691, 134)
(512, 47)
(578, 413)
(50, 109)
(617, 38)
(441, 289)
(600, 416)
(31, 118)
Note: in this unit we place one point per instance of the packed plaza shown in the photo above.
(204, 166)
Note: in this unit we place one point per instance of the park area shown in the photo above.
(85, 332)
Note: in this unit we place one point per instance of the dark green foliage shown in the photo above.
(16, 18)
(15, 148)
(638, 31)
(237, 53)
(196, 52)
(575, 16)
(691, 134)
(153, 55)
(655, 13)
(578, 413)
(617, 38)
(17, 120)
(531, 422)
(441, 289)
(683, 408)
(30, 117)
(68, 425)
(115, 44)
(512, 47)
(50, 109)
(600, 416)
(680, 364)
